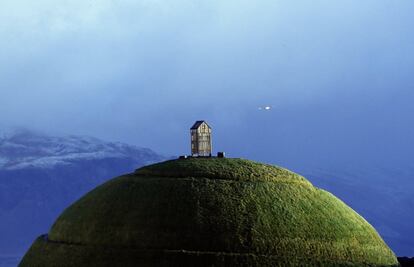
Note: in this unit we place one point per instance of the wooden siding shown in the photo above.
(201, 141)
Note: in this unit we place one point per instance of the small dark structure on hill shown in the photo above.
(201, 139)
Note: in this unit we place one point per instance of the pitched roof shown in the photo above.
(197, 124)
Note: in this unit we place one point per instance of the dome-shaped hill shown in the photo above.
(209, 212)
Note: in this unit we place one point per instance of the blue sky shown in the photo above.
(338, 74)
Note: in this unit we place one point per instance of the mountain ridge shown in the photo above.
(24, 148)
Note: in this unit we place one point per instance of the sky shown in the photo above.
(337, 74)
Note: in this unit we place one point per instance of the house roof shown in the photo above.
(197, 124)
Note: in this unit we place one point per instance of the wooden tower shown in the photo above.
(201, 139)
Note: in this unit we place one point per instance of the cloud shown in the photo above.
(126, 69)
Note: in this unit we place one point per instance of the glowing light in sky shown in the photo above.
(266, 108)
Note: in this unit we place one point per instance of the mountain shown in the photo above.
(381, 194)
(41, 175)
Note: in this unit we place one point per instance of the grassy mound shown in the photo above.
(205, 212)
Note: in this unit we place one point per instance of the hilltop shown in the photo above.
(222, 212)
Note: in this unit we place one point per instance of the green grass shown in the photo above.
(210, 212)
(221, 168)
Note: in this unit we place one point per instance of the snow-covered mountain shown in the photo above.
(41, 175)
(24, 149)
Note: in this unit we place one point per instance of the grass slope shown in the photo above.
(205, 212)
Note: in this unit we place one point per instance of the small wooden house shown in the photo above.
(201, 139)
